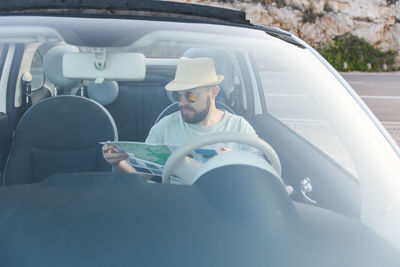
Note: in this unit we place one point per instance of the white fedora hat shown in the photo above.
(194, 72)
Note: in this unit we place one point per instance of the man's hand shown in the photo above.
(112, 156)
(116, 159)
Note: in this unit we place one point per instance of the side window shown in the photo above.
(288, 100)
(37, 71)
(249, 83)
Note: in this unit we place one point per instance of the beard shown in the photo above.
(197, 116)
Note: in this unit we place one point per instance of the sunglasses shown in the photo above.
(190, 96)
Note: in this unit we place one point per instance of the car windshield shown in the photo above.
(332, 152)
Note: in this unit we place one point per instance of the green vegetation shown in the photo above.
(357, 54)
(346, 52)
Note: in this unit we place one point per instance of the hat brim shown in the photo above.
(173, 86)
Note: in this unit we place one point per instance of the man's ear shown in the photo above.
(215, 91)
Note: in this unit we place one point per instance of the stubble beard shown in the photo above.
(198, 116)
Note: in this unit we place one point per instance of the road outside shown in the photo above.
(288, 102)
(381, 93)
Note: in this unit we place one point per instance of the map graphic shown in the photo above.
(150, 159)
(154, 153)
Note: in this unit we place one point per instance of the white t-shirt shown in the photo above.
(173, 130)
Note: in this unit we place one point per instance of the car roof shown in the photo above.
(158, 8)
(134, 9)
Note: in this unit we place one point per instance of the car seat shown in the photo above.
(137, 106)
(58, 135)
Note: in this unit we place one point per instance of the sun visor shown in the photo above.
(99, 66)
(28, 34)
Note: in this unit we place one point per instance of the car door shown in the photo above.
(310, 153)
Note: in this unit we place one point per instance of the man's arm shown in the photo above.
(116, 159)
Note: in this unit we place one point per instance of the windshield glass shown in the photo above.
(331, 154)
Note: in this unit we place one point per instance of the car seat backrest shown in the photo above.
(52, 67)
(59, 134)
(138, 105)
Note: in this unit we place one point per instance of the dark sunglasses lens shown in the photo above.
(191, 97)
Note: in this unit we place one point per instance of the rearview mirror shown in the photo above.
(115, 66)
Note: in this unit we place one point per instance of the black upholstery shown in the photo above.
(174, 107)
(138, 105)
(39, 95)
(57, 135)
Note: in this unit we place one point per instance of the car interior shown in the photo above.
(133, 107)
(51, 162)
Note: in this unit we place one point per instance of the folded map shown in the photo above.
(150, 159)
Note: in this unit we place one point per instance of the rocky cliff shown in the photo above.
(318, 21)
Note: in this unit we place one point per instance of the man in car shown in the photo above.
(195, 87)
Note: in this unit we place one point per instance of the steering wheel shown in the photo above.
(178, 164)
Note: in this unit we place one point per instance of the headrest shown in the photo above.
(223, 65)
(104, 93)
(52, 66)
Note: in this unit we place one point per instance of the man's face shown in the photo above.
(197, 110)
